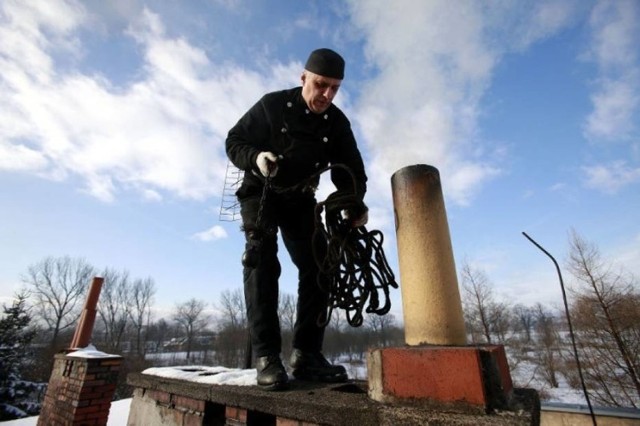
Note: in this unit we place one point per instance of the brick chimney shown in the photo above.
(436, 368)
(83, 379)
(80, 389)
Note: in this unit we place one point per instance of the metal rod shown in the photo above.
(573, 340)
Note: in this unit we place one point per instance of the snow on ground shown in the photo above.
(232, 376)
(208, 375)
(118, 416)
(527, 375)
(91, 352)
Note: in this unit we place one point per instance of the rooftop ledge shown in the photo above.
(327, 404)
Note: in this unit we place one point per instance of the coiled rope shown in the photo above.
(355, 272)
(353, 268)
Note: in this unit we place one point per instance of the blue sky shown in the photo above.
(113, 117)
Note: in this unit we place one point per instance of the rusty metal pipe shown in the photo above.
(82, 335)
(431, 303)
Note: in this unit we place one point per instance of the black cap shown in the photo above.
(326, 62)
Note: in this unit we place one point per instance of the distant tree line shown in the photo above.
(604, 304)
(605, 308)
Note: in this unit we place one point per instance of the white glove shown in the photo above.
(266, 162)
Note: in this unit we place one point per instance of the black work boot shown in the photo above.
(313, 366)
(271, 373)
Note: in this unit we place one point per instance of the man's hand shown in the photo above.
(357, 217)
(360, 221)
(267, 164)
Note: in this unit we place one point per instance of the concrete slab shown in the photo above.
(322, 404)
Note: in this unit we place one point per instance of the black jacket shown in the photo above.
(280, 122)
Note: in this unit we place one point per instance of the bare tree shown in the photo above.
(231, 341)
(158, 333)
(547, 354)
(232, 308)
(380, 325)
(287, 308)
(114, 307)
(525, 317)
(142, 297)
(335, 337)
(192, 320)
(501, 321)
(58, 286)
(338, 320)
(287, 311)
(607, 321)
(477, 300)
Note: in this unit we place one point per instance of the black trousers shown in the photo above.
(293, 215)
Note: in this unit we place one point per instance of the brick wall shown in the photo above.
(235, 416)
(80, 391)
(160, 407)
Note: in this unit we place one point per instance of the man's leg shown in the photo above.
(261, 272)
(307, 360)
(261, 299)
(297, 230)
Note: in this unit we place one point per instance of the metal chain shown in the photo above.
(255, 234)
(263, 201)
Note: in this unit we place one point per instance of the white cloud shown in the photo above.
(151, 195)
(614, 106)
(615, 28)
(30, 28)
(214, 233)
(529, 22)
(612, 177)
(435, 61)
(423, 102)
(468, 177)
(230, 4)
(163, 133)
(19, 157)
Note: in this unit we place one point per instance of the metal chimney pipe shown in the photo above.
(82, 335)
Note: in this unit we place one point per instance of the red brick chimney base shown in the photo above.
(80, 391)
(470, 379)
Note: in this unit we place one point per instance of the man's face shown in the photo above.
(318, 91)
